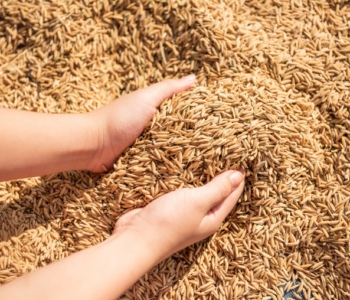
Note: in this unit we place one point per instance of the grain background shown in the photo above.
(272, 95)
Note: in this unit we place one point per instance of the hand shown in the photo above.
(141, 239)
(184, 217)
(92, 141)
(122, 121)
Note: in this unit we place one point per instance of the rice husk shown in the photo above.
(272, 95)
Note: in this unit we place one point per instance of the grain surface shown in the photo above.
(272, 95)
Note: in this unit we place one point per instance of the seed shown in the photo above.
(272, 95)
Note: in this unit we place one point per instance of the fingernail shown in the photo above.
(237, 177)
(241, 170)
(189, 79)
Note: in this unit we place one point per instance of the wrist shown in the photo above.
(84, 135)
(101, 155)
(146, 246)
(139, 255)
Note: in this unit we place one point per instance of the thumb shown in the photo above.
(215, 193)
(155, 94)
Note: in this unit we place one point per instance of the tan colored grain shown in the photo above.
(272, 95)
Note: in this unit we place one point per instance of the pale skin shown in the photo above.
(141, 238)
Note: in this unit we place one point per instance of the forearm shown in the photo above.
(34, 144)
(102, 272)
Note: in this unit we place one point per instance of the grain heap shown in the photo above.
(272, 95)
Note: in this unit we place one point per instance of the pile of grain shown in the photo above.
(272, 95)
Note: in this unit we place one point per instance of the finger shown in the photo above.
(155, 94)
(219, 212)
(216, 191)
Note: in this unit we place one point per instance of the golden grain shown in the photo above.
(272, 96)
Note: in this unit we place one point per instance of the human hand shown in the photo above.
(141, 239)
(184, 217)
(122, 121)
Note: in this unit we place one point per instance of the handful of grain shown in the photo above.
(197, 134)
(284, 224)
(273, 96)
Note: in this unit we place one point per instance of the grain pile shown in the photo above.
(272, 95)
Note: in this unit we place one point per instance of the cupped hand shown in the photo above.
(186, 216)
(120, 123)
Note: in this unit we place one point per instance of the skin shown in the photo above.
(141, 238)
(62, 142)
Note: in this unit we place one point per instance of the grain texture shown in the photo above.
(272, 95)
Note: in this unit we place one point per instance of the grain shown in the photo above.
(272, 95)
